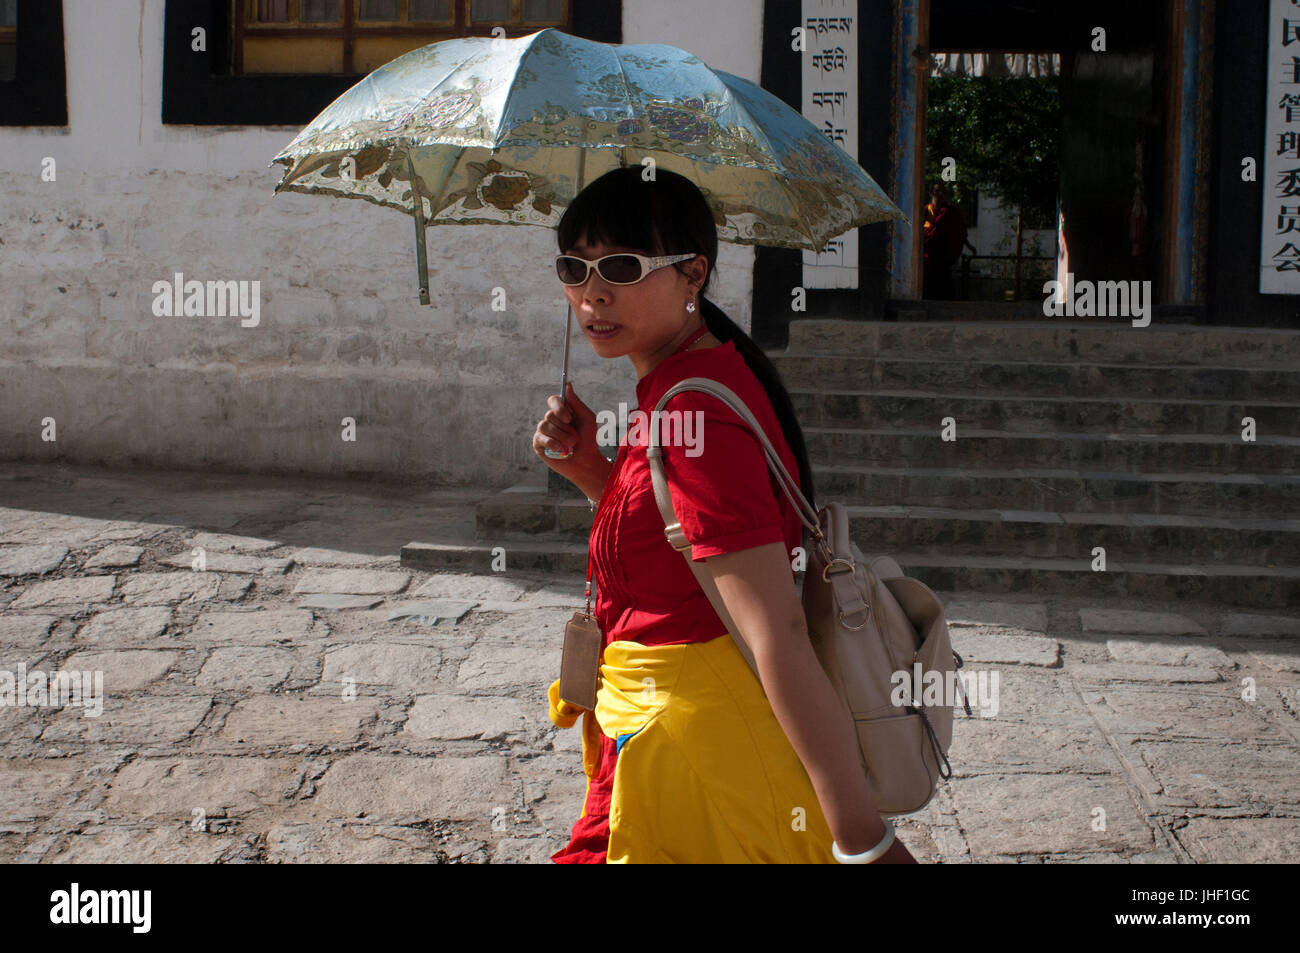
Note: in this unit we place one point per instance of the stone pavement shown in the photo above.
(259, 703)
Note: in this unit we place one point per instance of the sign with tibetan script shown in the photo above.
(830, 102)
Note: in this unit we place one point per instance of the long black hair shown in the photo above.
(668, 215)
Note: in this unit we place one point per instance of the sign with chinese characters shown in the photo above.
(1279, 261)
(830, 102)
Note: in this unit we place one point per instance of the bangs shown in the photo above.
(618, 209)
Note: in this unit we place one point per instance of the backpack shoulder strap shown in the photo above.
(672, 526)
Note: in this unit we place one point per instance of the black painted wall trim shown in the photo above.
(38, 93)
(1233, 262)
(778, 270)
(199, 90)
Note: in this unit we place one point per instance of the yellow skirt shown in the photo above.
(705, 772)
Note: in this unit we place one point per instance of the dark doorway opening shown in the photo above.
(1112, 88)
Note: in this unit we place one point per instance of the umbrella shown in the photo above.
(484, 130)
(481, 130)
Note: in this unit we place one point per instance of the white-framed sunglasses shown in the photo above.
(621, 269)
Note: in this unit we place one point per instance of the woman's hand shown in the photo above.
(571, 425)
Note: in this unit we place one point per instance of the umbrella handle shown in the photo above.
(564, 380)
(421, 259)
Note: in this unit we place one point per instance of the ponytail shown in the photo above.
(725, 329)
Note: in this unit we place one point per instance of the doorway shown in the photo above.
(1044, 124)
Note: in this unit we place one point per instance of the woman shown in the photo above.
(687, 759)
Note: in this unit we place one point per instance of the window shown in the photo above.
(343, 37)
(323, 47)
(8, 38)
(33, 83)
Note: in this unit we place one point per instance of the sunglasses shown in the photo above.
(622, 269)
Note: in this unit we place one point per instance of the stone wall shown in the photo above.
(448, 393)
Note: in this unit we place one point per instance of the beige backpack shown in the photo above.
(866, 621)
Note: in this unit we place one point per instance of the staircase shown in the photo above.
(1068, 437)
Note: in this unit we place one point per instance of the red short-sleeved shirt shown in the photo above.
(723, 492)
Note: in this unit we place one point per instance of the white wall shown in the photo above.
(450, 392)
(728, 35)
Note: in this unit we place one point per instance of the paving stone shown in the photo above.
(38, 527)
(117, 556)
(1178, 713)
(1165, 652)
(568, 597)
(255, 627)
(143, 844)
(383, 787)
(507, 669)
(170, 588)
(127, 531)
(32, 791)
(335, 842)
(1016, 814)
(172, 787)
(1027, 617)
(381, 665)
(334, 600)
(1283, 658)
(315, 556)
(234, 587)
(1133, 621)
(1250, 624)
(273, 720)
(232, 562)
(125, 670)
(246, 669)
(1037, 696)
(499, 587)
(20, 630)
(527, 850)
(30, 560)
(1006, 649)
(451, 717)
(542, 628)
(988, 745)
(1241, 840)
(1212, 774)
(226, 543)
(66, 592)
(125, 626)
(358, 582)
(431, 613)
(554, 788)
(142, 720)
(1131, 672)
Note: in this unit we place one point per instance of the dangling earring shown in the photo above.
(690, 306)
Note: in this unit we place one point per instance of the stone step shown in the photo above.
(910, 408)
(1218, 582)
(1124, 536)
(996, 449)
(465, 555)
(1061, 490)
(1064, 340)
(1222, 583)
(526, 511)
(1241, 540)
(1038, 378)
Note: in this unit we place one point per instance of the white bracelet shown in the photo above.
(867, 856)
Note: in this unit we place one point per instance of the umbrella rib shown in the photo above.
(435, 206)
(505, 108)
(626, 85)
(752, 124)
